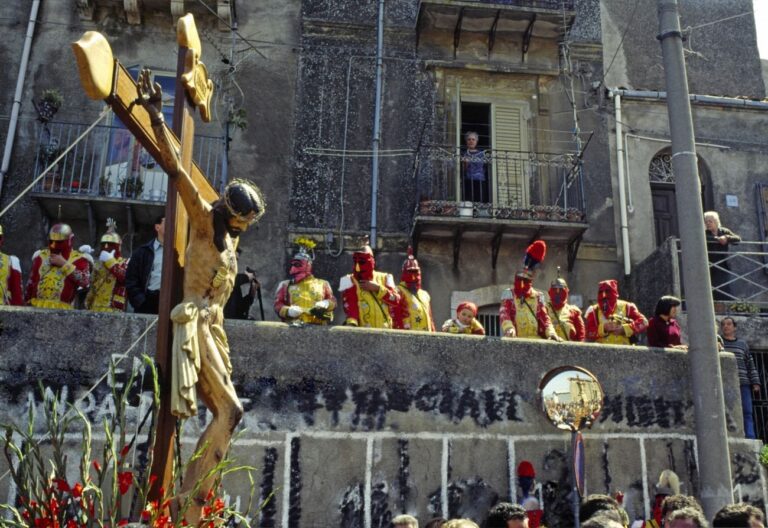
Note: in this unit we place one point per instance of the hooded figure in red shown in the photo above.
(10, 278)
(57, 271)
(612, 320)
(566, 318)
(368, 295)
(523, 311)
(414, 310)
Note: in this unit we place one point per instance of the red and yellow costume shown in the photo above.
(370, 309)
(304, 297)
(10, 278)
(107, 293)
(414, 311)
(523, 310)
(612, 320)
(52, 286)
(468, 326)
(566, 318)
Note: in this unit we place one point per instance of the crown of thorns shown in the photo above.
(256, 207)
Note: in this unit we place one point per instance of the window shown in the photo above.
(500, 123)
(129, 171)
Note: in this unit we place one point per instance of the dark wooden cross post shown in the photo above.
(103, 77)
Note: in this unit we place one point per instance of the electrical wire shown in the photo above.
(621, 43)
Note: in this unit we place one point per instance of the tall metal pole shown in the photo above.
(704, 364)
(377, 125)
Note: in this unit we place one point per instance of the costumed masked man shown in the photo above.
(107, 293)
(368, 294)
(414, 311)
(523, 309)
(612, 320)
(10, 278)
(304, 297)
(57, 271)
(566, 318)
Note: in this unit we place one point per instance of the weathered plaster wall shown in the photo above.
(341, 421)
(723, 57)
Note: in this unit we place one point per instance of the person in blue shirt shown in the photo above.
(474, 165)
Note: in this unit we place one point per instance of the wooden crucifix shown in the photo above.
(198, 355)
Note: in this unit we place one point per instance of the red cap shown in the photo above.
(525, 469)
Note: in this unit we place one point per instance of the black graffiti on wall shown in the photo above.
(294, 485)
(644, 411)
(370, 406)
(352, 506)
(267, 489)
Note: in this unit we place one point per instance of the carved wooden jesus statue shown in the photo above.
(200, 349)
(199, 363)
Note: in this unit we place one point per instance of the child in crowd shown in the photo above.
(465, 321)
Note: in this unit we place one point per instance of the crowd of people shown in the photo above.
(670, 509)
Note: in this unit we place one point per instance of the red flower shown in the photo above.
(124, 450)
(162, 521)
(210, 495)
(62, 485)
(124, 479)
(218, 505)
(97, 466)
(124, 522)
(77, 490)
(71, 524)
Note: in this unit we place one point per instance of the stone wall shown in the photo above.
(348, 427)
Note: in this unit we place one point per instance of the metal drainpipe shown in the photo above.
(377, 124)
(17, 96)
(622, 182)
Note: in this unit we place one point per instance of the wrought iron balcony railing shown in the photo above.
(507, 185)
(109, 162)
(568, 5)
(739, 278)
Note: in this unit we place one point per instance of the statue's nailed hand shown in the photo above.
(150, 96)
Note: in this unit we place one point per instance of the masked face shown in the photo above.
(558, 297)
(300, 269)
(522, 286)
(363, 266)
(109, 246)
(607, 298)
(412, 279)
(60, 247)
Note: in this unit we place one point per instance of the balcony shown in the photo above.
(740, 278)
(108, 174)
(529, 195)
(521, 25)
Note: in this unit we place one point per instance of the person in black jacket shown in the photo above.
(142, 280)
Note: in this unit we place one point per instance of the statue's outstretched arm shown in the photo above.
(151, 98)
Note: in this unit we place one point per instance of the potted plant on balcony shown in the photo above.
(49, 104)
(131, 187)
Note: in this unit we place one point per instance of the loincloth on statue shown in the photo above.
(191, 325)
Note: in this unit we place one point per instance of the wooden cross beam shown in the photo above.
(104, 78)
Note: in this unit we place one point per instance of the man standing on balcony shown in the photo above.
(142, 280)
(474, 171)
(367, 294)
(107, 293)
(613, 321)
(414, 311)
(10, 278)
(523, 311)
(749, 379)
(57, 272)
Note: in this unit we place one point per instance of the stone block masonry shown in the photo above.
(350, 427)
